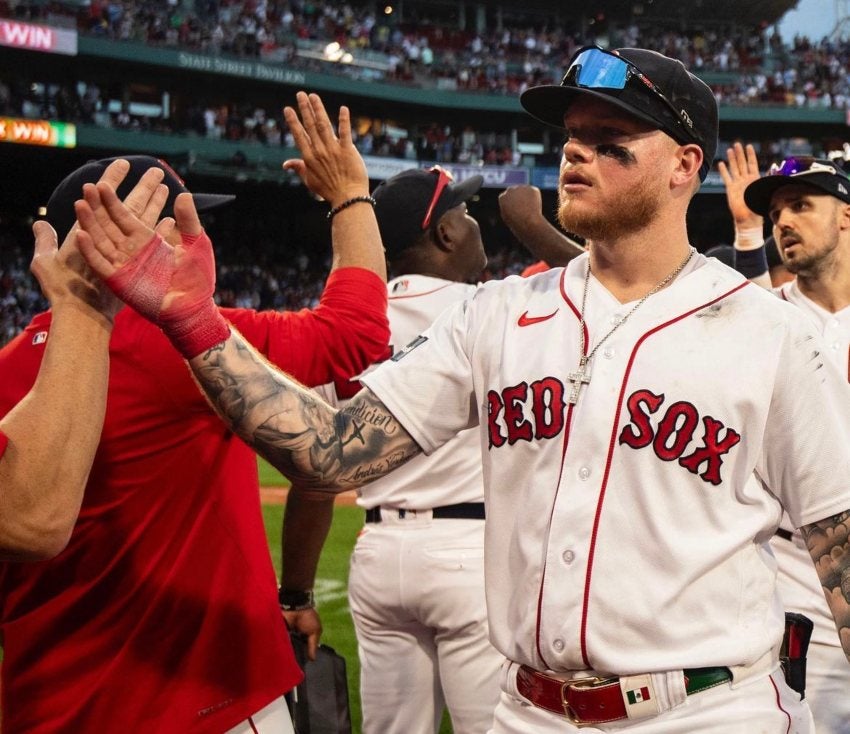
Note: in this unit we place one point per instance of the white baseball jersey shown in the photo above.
(835, 331)
(622, 534)
(452, 474)
(834, 327)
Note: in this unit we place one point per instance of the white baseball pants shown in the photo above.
(416, 592)
(271, 719)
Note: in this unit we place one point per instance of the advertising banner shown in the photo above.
(31, 37)
(38, 132)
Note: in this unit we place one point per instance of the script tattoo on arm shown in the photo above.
(311, 442)
(827, 541)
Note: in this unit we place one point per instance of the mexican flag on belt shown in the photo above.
(638, 695)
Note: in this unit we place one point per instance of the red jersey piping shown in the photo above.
(611, 446)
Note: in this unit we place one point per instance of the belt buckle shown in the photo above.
(580, 683)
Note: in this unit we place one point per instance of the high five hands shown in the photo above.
(169, 284)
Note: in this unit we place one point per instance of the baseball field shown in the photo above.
(331, 579)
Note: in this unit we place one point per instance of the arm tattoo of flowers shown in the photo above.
(827, 541)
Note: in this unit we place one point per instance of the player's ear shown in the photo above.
(844, 217)
(688, 161)
(444, 237)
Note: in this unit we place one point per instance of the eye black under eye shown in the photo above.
(618, 152)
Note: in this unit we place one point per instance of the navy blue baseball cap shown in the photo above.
(646, 84)
(60, 206)
(826, 175)
(409, 203)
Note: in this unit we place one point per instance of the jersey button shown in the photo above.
(615, 319)
(584, 473)
(608, 352)
(558, 644)
(568, 556)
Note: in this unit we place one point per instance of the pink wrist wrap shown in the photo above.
(175, 293)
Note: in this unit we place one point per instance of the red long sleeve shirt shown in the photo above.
(161, 615)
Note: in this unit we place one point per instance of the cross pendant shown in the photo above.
(578, 379)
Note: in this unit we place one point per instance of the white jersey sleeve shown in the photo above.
(451, 474)
(444, 389)
(810, 392)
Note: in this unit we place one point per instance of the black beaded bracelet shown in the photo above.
(347, 203)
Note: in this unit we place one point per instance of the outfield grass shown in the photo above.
(269, 476)
(331, 584)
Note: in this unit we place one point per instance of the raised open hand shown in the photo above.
(63, 272)
(740, 171)
(330, 166)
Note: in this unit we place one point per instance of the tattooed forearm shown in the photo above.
(300, 434)
(827, 544)
(223, 377)
(827, 541)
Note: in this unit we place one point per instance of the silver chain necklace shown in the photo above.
(581, 376)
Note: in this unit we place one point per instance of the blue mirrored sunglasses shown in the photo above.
(596, 68)
(801, 165)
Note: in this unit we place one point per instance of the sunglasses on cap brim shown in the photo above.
(801, 165)
(595, 68)
(444, 178)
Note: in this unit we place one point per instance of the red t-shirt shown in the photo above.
(4, 439)
(161, 615)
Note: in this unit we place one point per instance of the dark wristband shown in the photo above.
(751, 263)
(295, 601)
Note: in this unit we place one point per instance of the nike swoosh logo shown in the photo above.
(526, 320)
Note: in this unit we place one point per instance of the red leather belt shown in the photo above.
(597, 700)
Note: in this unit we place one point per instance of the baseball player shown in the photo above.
(423, 646)
(48, 440)
(627, 580)
(808, 203)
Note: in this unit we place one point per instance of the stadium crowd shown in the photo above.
(763, 68)
(268, 281)
(749, 67)
(759, 66)
(498, 59)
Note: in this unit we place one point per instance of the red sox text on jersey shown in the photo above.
(670, 437)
